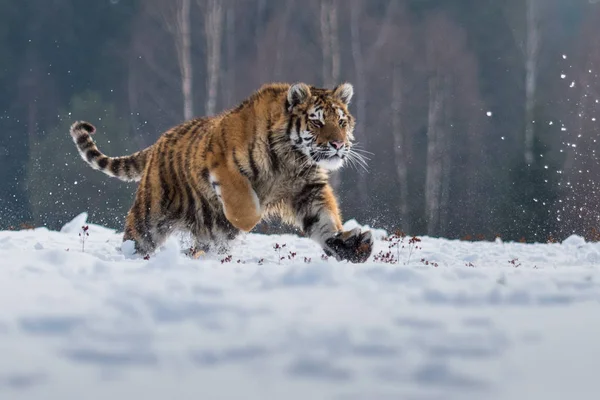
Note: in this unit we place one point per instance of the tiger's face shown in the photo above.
(321, 126)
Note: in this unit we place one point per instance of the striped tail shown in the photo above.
(128, 168)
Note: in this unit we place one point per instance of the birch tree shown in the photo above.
(230, 45)
(330, 42)
(453, 125)
(532, 49)
(213, 24)
(176, 18)
(400, 145)
(160, 85)
(360, 78)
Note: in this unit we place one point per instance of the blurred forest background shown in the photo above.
(480, 114)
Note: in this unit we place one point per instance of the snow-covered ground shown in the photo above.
(99, 324)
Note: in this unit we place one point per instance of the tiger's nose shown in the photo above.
(336, 145)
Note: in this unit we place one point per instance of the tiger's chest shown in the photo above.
(284, 185)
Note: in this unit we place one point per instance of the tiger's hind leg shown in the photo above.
(147, 224)
(213, 234)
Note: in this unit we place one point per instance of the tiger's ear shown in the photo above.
(298, 93)
(344, 93)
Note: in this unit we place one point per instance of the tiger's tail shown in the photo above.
(127, 168)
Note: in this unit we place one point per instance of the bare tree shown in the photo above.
(532, 48)
(454, 126)
(160, 89)
(281, 38)
(213, 24)
(436, 136)
(400, 144)
(230, 44)
(360, 78)
(330, 42)
(177, 22)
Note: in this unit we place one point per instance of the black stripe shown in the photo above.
(148, 216)
(223, 140)
(288, 130)
(115, 166)
(144, 227)
(133, 165)
(207, 215)
(196, 138)
(204, 174)
(87, 145)
(91, 154)
(306, 197)
(272, 154)
(82, 139)
(309, 222)
(167, 198)
(173, 176)
(142, 158)
(239, 166)
(209, 144)
(298, 126)
(191, 206)
(251, 160)
(103, 162)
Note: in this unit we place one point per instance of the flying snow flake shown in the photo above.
(572, 84)
(489, 113)
(563, 76)
(502, 137)
(550, 123)
(564, 56)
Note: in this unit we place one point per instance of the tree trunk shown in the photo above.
(445, 130)
(361, 105)
(280, 47)
(330, 43)
(260, 22)
(433, 179)
(325, 42)
(183, 42)
(400, 150)
(231, 53)
(213, 29)
(531, 56)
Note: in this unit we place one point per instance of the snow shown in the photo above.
(493, 320)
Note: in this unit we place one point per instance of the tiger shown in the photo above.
(217, 176)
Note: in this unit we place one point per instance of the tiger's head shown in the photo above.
(320, 125)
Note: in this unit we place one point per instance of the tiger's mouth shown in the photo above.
(330, 160)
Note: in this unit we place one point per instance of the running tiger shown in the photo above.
(217, 176)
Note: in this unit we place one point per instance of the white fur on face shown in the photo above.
(331, 164)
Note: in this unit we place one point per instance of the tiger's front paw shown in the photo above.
(353, 245)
